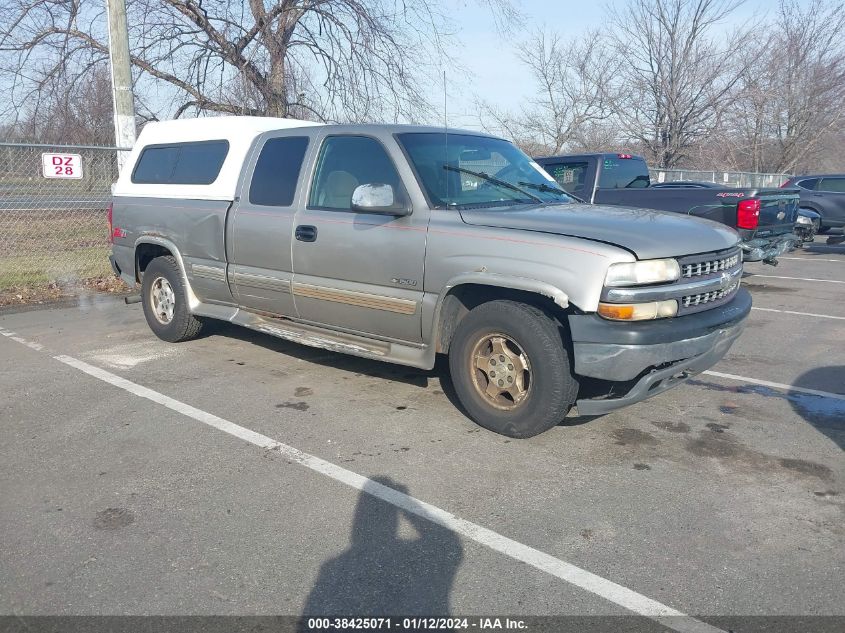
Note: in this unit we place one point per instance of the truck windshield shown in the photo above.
(464, 170)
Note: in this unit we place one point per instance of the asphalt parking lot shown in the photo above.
(241, 474)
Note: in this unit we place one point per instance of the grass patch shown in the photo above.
(64, 267)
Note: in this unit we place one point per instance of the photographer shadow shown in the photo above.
(382, 573)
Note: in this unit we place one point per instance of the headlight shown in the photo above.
(639, 311)
(802, 219)
(649, 271)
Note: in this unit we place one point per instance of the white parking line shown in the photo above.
(588, 581)
(567, 572)
(809, 314)
(814, 259)
(827, 281)
(778, 385)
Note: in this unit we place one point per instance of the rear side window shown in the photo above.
(277, 171)
(808, 183)
(181, 163)
(570, 176)
(623, 173)
(832, 184)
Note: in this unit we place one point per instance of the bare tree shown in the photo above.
(808, 70)
(678, 77)
(574, 83)
(324, 59)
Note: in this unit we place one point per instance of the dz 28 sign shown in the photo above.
(61, 165)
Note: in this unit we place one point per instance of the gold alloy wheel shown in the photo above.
(501, 372)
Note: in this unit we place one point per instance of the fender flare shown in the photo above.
(193, 301)
(494, 280)
(526, 284)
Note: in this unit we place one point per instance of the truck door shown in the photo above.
(261, 224)
(357, 271)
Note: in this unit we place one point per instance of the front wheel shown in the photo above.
(165, 301)
(511, 370)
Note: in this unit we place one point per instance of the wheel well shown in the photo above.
(144, 254)
(461, 299)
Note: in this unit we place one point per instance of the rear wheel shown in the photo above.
(511, 370)
(165, 301)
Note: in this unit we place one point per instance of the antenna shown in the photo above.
(445, 135)
(445, 120)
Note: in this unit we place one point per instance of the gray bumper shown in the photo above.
(653, 356)
(707, 351)
(620, 363)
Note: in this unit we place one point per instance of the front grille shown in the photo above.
(692, 301)
(712, 266)
(709, 266)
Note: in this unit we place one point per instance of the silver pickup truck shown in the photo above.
(399, 243)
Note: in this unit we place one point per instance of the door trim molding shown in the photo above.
(360, 299)
(260, 281)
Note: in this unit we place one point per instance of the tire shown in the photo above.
(165, 302)
(502, 329)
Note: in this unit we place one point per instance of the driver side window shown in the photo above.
(347, 162)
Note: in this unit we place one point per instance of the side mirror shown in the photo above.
(377, 198)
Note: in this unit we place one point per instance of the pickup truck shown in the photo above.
(764, 218)
(399, 243)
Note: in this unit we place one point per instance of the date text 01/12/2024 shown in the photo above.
(414, 624)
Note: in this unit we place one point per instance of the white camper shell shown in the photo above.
(238, 131)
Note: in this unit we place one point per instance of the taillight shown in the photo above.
(111, 227)
(625, 156)
(748, 214)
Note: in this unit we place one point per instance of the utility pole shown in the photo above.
(121, 79)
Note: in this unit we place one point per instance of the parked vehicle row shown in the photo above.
(400, 243)
(764, 218)
(822, 194)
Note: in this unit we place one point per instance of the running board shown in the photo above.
(421, 356)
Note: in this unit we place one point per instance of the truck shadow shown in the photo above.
(361, 366)
(383, 572)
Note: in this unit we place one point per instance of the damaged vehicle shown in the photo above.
(400, 243)
(763, 217)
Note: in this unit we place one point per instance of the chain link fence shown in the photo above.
(724, 178)
(53, 220)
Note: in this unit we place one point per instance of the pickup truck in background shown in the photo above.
(763, 217)
(399, 243)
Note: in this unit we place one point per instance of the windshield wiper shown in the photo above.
(543, 187)
(549, 189)
(494, 180)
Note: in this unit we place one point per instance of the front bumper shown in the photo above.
(657, 354)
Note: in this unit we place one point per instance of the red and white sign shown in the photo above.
(61, 165)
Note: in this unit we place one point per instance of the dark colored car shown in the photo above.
(824, 194)
(764, 217)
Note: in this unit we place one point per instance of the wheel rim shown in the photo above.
(162, 300)
(501, 371)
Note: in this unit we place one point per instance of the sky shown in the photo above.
(494, 72)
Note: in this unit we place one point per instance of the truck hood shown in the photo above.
(648, 234)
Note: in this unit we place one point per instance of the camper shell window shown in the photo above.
(196, 163)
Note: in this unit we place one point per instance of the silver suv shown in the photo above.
(399, 243)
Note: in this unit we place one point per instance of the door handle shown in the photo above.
(306, 233)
